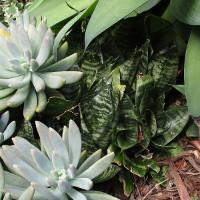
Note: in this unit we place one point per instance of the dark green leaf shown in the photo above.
(127, 179)
(171, 122)
(26, 131)
(99, 108)
(101, 20)
(193, 130)
(164, 69)
(180, 88)
(134, 166)
(57, 106)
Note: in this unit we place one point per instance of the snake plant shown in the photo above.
(6, 130)
(28, 67)
(58, 170)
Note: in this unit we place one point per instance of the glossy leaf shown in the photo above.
(192, 71)
(127, 179)
(39, 10)
(170, 123)
(186, 11)
(101, 20)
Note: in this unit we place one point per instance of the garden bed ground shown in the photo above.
(183, 179)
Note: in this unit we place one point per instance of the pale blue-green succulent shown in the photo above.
(27, 195)
(6, 130)
(28, 67)
(58, 171)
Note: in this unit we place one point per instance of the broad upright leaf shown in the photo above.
(192, 72)
(170, 123)
(39, 9)
(186, 11)
(108, 13)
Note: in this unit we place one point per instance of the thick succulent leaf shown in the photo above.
(89, 162)
(109, 173)
(30, 104)
(98, 167)
(4, 121)
(38, 83)
(21, 83)
(57, 161)
(30, 174)
(5, 82)
(44, 51)
(96, 25)
(127, 179)
(28, 194)
(83, 183)
(69, 76)
(52, 81)
(75, 195)
(14, 50)
(42, 102)
(3, 102)
(186, 11)
(74, 138)
(91, 195)
(19, 97)
(61, 65)
(43, 131)
(42, 29)
(2, 179)
(164, 69)
(62, 51)
(59, 146)
(32, 33)
(42, 162)
(43, 191)
(9, 130)
(15, 181)
(170, 123)
(24, 40)
(191, 72)
(64, 186)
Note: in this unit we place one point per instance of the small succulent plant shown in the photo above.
(6, 130)
(27, 195)
(28, 67)
(58, 170)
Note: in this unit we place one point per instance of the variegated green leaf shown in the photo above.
(170, 123)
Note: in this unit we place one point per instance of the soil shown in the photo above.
(183, 178)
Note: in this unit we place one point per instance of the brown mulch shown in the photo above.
(183, 178)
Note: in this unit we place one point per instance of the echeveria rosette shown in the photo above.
(28, 67)
(58, 170)
(27, 195)
(6, 130)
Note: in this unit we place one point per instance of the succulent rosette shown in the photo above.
(6, 130)
(27, 195)
(58, 172)
(27, 65)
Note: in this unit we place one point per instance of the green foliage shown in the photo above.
(54, 171)
(186, 11)
(191, 70)
(28, 66)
